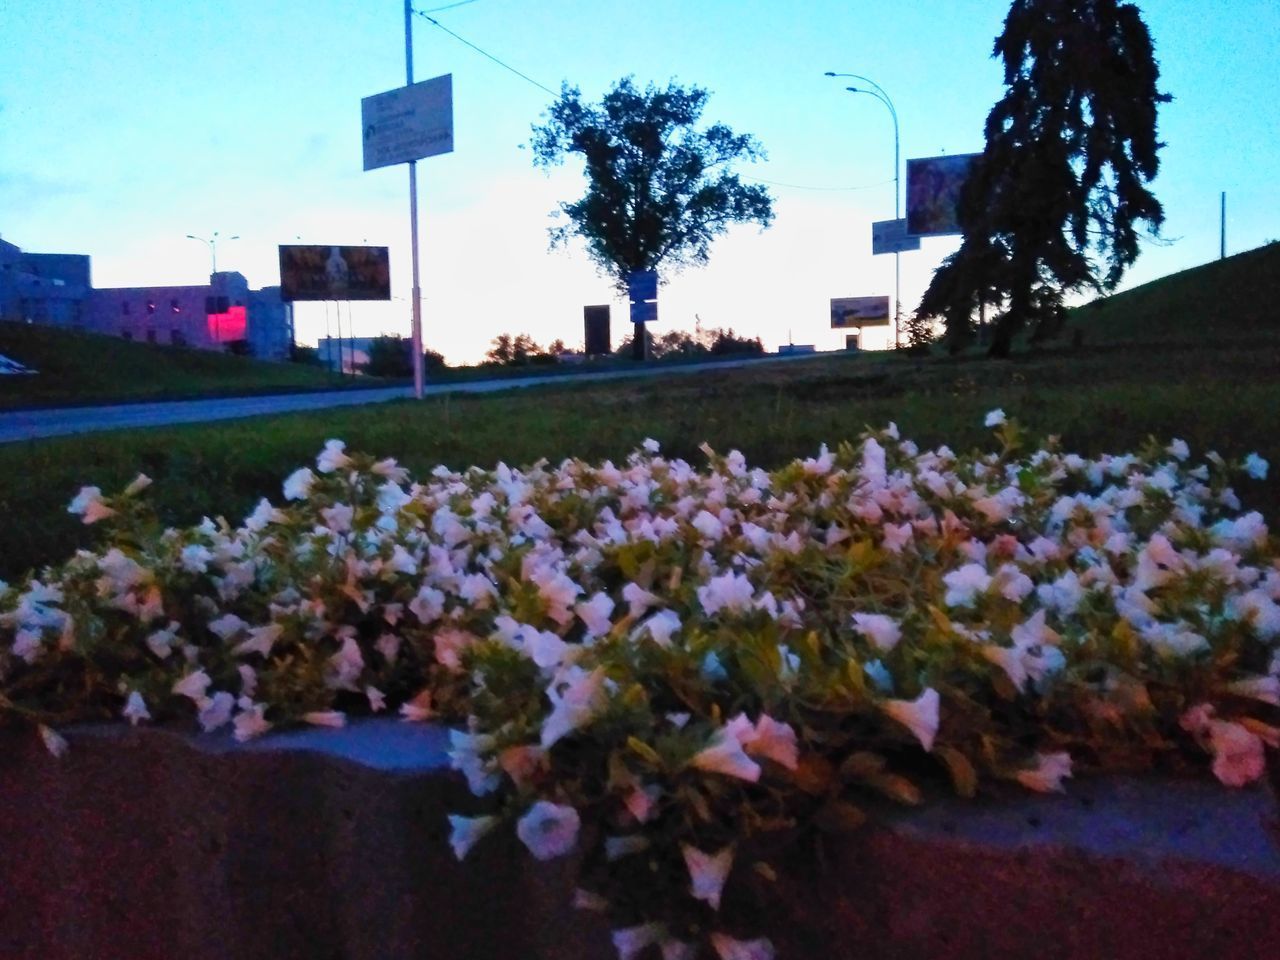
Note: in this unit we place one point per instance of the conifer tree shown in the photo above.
(1058, 198)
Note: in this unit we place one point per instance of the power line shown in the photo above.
(803, 186)
(483, 53)
(528, 79)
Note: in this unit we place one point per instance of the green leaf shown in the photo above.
(643, 750)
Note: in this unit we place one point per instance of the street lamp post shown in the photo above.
(212, 244)
(878, 92)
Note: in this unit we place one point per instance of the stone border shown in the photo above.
(333, 845)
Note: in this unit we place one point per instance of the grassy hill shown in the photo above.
(83, 368)
(1233, 299)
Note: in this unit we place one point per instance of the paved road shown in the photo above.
(38, 424)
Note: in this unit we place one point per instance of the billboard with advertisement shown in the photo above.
(890, 236)
(309, 272)
(859, 312)
(933, 192)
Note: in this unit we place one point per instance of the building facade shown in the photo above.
(55, 290)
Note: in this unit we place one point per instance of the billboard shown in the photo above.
(408, 123)
(890, 236)
(933, 191)
(597, 341)
(859, 312)
(334, 273)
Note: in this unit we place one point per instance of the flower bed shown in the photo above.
(673, 671)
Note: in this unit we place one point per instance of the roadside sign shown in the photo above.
(642, 291)
(890, 236)
(408, 123)
(859, 312)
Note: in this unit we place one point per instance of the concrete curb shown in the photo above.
(333, 845)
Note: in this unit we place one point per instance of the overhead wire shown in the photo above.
(425, 15)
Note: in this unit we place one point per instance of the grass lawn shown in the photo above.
(88, 368)
(1210, 378)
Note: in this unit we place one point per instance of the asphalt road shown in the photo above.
(21, 425)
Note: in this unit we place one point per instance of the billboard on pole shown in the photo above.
(933, 193)
(310, 272)
(890, 236)
(859, 312)
(408, 123)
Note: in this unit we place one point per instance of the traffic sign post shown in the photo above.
(403, 126)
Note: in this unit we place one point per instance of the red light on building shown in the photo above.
(229, 326)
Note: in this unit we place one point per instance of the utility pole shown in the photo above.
(413, 216)
(1222, 251)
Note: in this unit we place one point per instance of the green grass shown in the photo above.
(84, 368)
(1237, 299)
(1218, 392)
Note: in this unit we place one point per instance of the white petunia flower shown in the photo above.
(332, 457)
(1255, 466)
(595, 614)
(577, 697)
(651, 445)
(638, 599)
(727, 948)
(994, 419)
(465, 832)
(263, 514)
(1178, 450)
(215, 711)
(418, 710)
(297, 486)
(1238, 756)
(195, 558)
(251, 722)
(725, 754)
(377, 699)
(261, 640)
(730, 591)
(193, 685)
(135, 708)
(88, 504)
(964, 585)
(773, 740)
(920, 715)
(1266, 689)
(1048, 774)
(391, 498)
(883, 632)
(707, 872)
(54, 742)
(630, 942)
(660, 627)
(549, 830)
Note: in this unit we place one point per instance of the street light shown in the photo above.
(212, 243)
(878, 92)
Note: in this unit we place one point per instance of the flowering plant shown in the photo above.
(662, 667)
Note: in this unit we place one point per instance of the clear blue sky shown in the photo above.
(125, 126)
